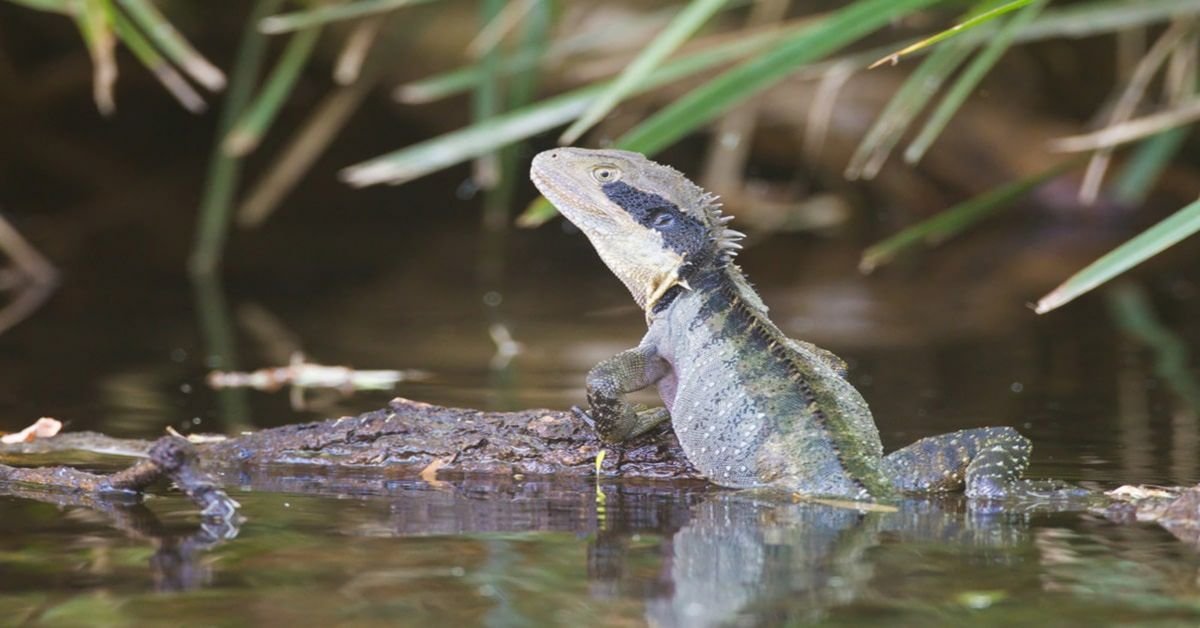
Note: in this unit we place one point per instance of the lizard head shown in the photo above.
(652, 226)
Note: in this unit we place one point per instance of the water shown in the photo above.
(123, 347)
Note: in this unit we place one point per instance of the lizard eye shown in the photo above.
(605, 174)
(662, 219)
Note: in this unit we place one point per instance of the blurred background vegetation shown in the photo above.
(918, 118)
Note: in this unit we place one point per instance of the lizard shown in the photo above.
(751, 407)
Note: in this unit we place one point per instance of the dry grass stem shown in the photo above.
(358, 44)
(1108, 137)
(1126, 104)
(496, 30)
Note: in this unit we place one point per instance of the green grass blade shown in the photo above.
(422, 158)
(953, 31)
(1088, 19)
(456, 81)
(216, 206)
(536, 213)
(94, 25)
(904, 107)
(952, 221)
(55, 6)
(495, 30)
(254, 122)
(1147, 162)
(462, 79)
(522, 89)
(708, 101)
(163, 71)
(686, 23)
(455, 147)
(486, 99)
(174, 45)
(299, 20)
(1141, 247)
(534, 42)
(969, 80)
(1085, 19)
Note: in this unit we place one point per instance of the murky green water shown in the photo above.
(940, 346)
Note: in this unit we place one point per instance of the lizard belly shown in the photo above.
(667, 387)
(742, 435)
(721, 431)
(741, 420)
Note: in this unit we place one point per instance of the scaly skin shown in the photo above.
(751, 407)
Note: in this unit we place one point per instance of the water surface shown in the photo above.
(940, 345)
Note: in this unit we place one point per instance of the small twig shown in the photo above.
(41, 276)
(301, 152)
(170, 457)
(302, 374)
(816, 127)
(26, 301)
(1127, 102)
(1136, 129)
(24, 255)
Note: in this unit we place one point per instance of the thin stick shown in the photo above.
(1127, 103)
(358, 44)
(1136, 129)
(22, 253)
(170, 457)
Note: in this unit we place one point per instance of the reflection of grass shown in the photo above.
(1134, 314)
(513, 46)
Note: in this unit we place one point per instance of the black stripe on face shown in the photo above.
(681, 232)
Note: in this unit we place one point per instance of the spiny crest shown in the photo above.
(727, 240)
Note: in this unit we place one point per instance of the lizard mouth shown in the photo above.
(577, 206)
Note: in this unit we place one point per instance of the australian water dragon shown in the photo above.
(750, 406)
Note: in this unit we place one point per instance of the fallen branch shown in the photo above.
(169, 457)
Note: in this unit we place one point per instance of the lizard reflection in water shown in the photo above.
(750, 406)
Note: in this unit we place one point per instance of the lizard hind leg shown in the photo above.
(989, 461)
(999, 465)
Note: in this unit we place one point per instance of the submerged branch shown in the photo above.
(170, 457)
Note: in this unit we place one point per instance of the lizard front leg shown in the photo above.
(988, 460)
(614, 418)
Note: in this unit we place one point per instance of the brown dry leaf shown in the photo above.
(44, 427)
(429, 473)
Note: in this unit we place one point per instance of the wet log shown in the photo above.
(409, 438)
